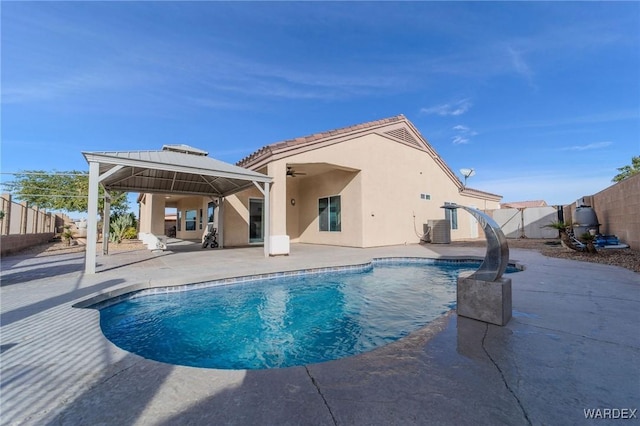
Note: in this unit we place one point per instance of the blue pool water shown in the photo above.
(284, 322)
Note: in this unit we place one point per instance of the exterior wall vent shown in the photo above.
(403, 135)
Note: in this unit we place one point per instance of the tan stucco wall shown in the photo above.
(152, 214)
(293, 211)
(337, 182)
(379, 181)
(236, 218)
(380, 199)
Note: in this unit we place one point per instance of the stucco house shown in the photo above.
(372, 184)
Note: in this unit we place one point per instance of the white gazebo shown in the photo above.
(178, 169)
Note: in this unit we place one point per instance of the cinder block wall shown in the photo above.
(14, 243)
(618, 210)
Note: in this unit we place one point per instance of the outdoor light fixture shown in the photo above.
(293, 201)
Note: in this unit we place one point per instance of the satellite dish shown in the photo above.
(467, 173)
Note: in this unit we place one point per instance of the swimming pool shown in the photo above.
(283, 321)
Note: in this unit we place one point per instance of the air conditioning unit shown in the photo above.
(439, 231)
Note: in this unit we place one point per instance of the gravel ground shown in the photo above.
(58, 247)
(626, 258)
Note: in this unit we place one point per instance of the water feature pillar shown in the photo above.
(485, 295)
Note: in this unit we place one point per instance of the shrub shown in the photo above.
(67, 234)
(119, 227)
(130, 233)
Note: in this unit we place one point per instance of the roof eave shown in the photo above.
(475, 193)
(104, 158)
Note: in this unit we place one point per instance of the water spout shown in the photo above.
(497, 257)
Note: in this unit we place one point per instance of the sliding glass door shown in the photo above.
(256, 220)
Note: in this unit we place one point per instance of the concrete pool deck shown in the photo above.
(573, 344)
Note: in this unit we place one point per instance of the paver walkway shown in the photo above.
(573, 344)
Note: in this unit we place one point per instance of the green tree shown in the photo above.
(65, 191)
(629, 170)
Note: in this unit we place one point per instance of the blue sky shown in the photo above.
(542, 99)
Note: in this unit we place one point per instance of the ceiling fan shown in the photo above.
(291, 172)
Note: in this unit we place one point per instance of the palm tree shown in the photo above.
(563, 228)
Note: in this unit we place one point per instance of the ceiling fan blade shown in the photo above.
(291, 172)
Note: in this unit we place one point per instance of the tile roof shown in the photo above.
(262, 155)
(267, 150)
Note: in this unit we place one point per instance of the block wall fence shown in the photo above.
(22, 226)
(618, 210)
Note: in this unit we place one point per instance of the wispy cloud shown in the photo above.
(459, 140)
(604, 117)
(587, 147)
(450, 109)
(519, 64)
(75, 83)
(463, 135)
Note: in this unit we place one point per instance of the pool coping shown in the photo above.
(117, 295)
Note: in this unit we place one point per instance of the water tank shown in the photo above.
(440, 231)
(585, 219)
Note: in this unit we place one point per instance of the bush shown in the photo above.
(119, 227)
(67, 235)
(130, 233)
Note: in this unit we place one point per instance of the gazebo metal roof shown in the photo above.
(176, 169)
(169, 171)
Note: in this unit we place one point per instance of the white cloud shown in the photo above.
(519, 64)
(459, 140)
(464, 134)
(455, 108)
(595, 145)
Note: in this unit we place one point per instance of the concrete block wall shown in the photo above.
(14, 243)
(23, 226)
(618, 210)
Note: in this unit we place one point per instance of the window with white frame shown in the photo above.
(329, 214)
(190, 217)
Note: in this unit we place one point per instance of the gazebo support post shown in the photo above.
(92, 220)
(267, 220)
(106, 223)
